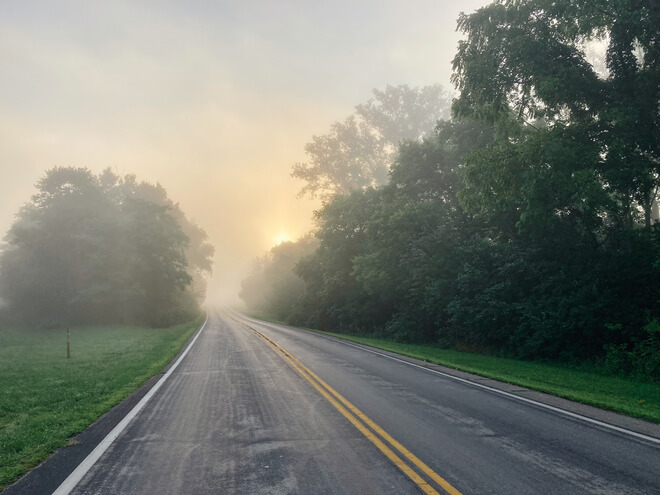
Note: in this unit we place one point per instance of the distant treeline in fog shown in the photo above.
(102, 249)
(526, 226)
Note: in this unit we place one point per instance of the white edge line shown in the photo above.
(491, 389)
(74, 478)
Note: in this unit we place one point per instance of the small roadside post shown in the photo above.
(68, 343)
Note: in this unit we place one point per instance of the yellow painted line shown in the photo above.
(342, 404)
(409, 455)
(373, 438)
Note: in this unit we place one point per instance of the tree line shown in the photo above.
(524, 226)
(102, 249)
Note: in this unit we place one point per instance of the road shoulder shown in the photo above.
(47, 477)
(615, 419)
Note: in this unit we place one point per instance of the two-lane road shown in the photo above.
(241, 415)
(478, 440)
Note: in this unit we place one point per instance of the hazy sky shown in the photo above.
(213, 99)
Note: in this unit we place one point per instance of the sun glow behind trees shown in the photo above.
(527, 225)
(215, 100)
(281, 238)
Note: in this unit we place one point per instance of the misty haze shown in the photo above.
(288, 247)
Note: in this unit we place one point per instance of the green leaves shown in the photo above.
(526, 60)
(518, 58)
(100, 249)
(524, 227)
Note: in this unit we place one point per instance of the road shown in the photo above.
(256, 407)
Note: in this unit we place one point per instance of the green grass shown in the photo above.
(45, 398)
(582, 384)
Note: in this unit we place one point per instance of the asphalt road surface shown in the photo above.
(260, 408)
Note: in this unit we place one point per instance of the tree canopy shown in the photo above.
(356, 154)
(101, 249)
(527, 61)
(527, 225)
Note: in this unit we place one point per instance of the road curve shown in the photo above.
(256, 407)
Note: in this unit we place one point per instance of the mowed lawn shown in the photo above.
(46, 398)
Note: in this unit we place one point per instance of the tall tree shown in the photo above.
(90, 248)
(199, 253)
(572, 175)
(525, 61)
(356, 154)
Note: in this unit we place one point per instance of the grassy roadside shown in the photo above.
(588, 386)
(45, 398)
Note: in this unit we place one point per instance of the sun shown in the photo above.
(281, 237)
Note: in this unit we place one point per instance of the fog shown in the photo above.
(213, 100)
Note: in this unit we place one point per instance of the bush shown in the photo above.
(641, 359)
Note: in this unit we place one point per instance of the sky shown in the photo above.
(215, 100)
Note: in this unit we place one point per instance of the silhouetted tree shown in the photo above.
(357, 153)
(273, 287)
(92, 248)
(524, 227)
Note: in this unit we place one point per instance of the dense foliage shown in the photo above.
(102, 249)
(527, 226)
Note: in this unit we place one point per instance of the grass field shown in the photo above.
(46, 398)
(582, 384)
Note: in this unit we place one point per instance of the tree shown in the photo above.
(525, 61)
(199, 253)
(90, 249)
(155, 257)
(273, 287)
(334, 298)
(569, 181)
(356, 154)
(55, 246)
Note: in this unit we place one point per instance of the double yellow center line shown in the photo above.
(365, 425)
